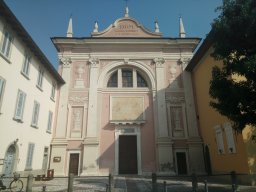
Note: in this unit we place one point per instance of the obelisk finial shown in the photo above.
(70, 28)
(182, 33)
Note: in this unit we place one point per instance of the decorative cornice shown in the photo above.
(91, 141)
(127, 122)
(78, 99)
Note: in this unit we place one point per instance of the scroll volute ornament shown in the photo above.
(159, 61)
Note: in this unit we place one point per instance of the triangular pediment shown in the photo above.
(126, 27)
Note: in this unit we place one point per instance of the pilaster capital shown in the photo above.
(94, 62)
(183, 61)
(66, 61)
(159, 61)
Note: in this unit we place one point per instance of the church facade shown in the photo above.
(127, 106)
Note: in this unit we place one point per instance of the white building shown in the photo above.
(28, 87)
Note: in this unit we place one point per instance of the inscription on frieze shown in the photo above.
(126, 29)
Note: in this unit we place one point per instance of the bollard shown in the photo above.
(30, 183)
(70, 182)
(154, 182)
(205, 186)
(194, 183)
(234, 181)
(165, 187)
(109, 182)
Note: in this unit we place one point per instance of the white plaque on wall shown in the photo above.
(127, 108)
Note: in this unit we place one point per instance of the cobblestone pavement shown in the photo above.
(129, 184)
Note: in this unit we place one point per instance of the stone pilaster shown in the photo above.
(59, 143)
(61, 125)
(195, 148)
(92, 130)
(164, 144)
(91, 142)
(160, 98)
(190, 102)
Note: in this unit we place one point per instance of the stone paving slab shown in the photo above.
(129, 184)
(79, 185)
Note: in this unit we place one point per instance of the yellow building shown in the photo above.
(225, 149)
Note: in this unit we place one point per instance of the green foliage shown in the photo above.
(233, 37)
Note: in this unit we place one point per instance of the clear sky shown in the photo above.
(44, 19)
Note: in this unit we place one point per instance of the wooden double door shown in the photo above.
(128, 160)
(74, 163)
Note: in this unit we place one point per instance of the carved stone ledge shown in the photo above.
(176, 99)
(127, 122)
(78, 99)
(91, 141)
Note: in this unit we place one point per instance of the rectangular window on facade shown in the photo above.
(40, 78)
(2, 85)
(49, 126)
(53, 91)
(35, 114)
(6, 44)
(20, 104)
(219, 139)
(25, 66)
(30, 153)
(230, 137)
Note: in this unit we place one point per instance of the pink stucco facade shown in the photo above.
(127, 105)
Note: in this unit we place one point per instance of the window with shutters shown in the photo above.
(35, 114)
(53, 91)
(229, 137)
(40, 78)
(49, 125)
(2, 85)
(6, 44)
(219, 139)
(25, 66)
(30, 153)
(20, 104)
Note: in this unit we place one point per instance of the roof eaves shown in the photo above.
(207, 43)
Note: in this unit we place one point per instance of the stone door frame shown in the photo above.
(127, 130)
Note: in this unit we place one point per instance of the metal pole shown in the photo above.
(194, 183)
(234, 181)
(30, 183)
(70, 182)
(154, 182)
(205, 186)
(109, 182)
(165, 187)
